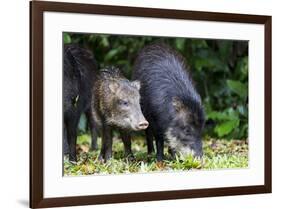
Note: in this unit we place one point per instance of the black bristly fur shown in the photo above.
(79, 72)
(164, 76)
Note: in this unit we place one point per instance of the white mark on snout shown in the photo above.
(187, 151)
(176, 144)
(172, 140)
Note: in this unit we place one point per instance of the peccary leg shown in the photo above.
(106, 150)
(126, 138)
(93, 129)
(65, 142)
(172, 152)
(149, 141)
(160, 148)
(71, 137)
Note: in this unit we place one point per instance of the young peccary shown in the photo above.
(169, 101)
(79, 69)
(116, 104)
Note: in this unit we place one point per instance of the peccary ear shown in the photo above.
(178, 105)
(136, 84)
(113, 87)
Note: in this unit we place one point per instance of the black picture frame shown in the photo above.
(37, 8)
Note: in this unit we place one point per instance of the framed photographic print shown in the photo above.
(138, 104)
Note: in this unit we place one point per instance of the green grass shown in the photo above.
(218, 154)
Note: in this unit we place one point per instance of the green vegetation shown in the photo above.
(217, 154)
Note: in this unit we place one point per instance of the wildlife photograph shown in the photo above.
(139, 104)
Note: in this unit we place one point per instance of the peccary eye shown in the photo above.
(123, 103)
(187, 131)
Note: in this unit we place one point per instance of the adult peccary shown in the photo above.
(169, 101)
(79, 70)
(116, 104)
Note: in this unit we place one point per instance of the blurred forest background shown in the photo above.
(218, 67)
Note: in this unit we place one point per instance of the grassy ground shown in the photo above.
(218, 154)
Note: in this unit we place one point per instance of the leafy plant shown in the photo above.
(238, 88)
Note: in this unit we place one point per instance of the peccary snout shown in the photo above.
(142, 125)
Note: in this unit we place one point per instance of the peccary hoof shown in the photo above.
(72, 159)
(100, 158)
(73, 162)
(104, 158)
(160, 158)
